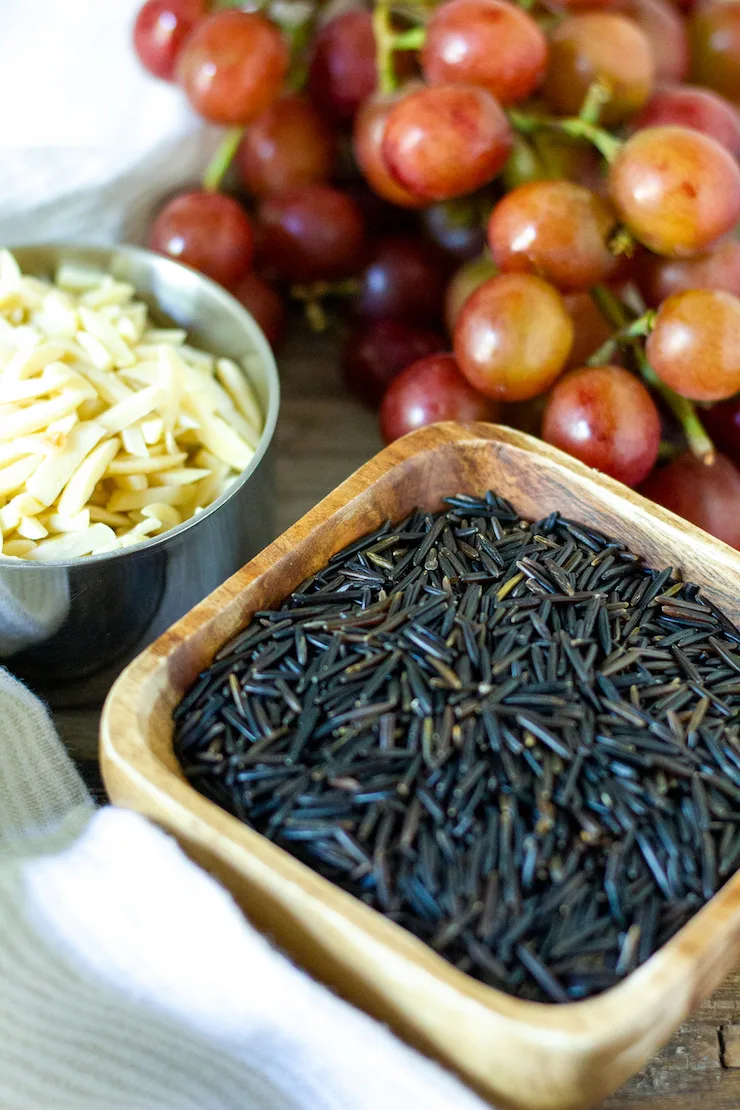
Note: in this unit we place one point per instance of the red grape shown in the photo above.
(678, 191)
(489, 43)
(590, 328)
(427, 392)
(380, 216)
(556, 229)
(378, 350)
(367, 142)
(718, 269)
(314, 233)
(208, 231)
(446, 140)
(287, 146)
(161, 29)
(464, 282)
(342, 71)
(404, 279)
(605, 417)
(457, 226)
(512, 337)
(708, 496)
(599, 46)
(667, 34)
(722, 422)
(700, 109)
(715, 47)
(695, 344)
(232, 66)
(265, 304)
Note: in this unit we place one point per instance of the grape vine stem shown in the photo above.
(219, 164)
(640, 327)
(684, 410)
(384, 47)
(606, 144)
(598, 95)
(387, 41)
(313, 295)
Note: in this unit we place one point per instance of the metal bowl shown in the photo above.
(68, 628)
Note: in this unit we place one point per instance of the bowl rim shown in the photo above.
(577, 1027)
(264, 350)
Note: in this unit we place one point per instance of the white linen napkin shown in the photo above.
(129, 980)
(90, 143)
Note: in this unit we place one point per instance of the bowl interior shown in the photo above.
(585, 1050)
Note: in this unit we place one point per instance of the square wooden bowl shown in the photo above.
(523, 1055)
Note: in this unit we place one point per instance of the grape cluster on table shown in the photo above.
(528, 209)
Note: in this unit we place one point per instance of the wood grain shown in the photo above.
(322, 437)
(582, 1051)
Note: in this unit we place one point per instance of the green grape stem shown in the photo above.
(312, 298)
(599, 93)
(684, 410)
(413, 39)
(388, 41)
(622, 243)
(297, 21)
(219, 164)
(576, 127)
(640, 327)
(384, 48)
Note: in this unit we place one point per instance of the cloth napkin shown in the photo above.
(90, 143)
(129, 980)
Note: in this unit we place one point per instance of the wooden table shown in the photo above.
(324, 435)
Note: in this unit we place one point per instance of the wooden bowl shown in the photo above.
(524, 1055)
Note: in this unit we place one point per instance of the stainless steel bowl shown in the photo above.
(69, 628)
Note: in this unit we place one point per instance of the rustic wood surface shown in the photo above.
(323, 436)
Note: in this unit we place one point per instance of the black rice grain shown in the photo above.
(516, 740)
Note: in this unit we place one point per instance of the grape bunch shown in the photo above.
(528, 207)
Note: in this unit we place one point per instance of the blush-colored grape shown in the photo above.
(446, 140)
(605, 417)
(694, 346)
(667, 34)
(232, 66)
(288, 145)
(208, 231)
(428, 392)
(490, 43)
(708, 496)
(678, 191)
(556, 229)
(602, 46)
(160, 31)
(689, 106)
(512, 337)
(367, 143)
(715, 47)
(719, 268)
